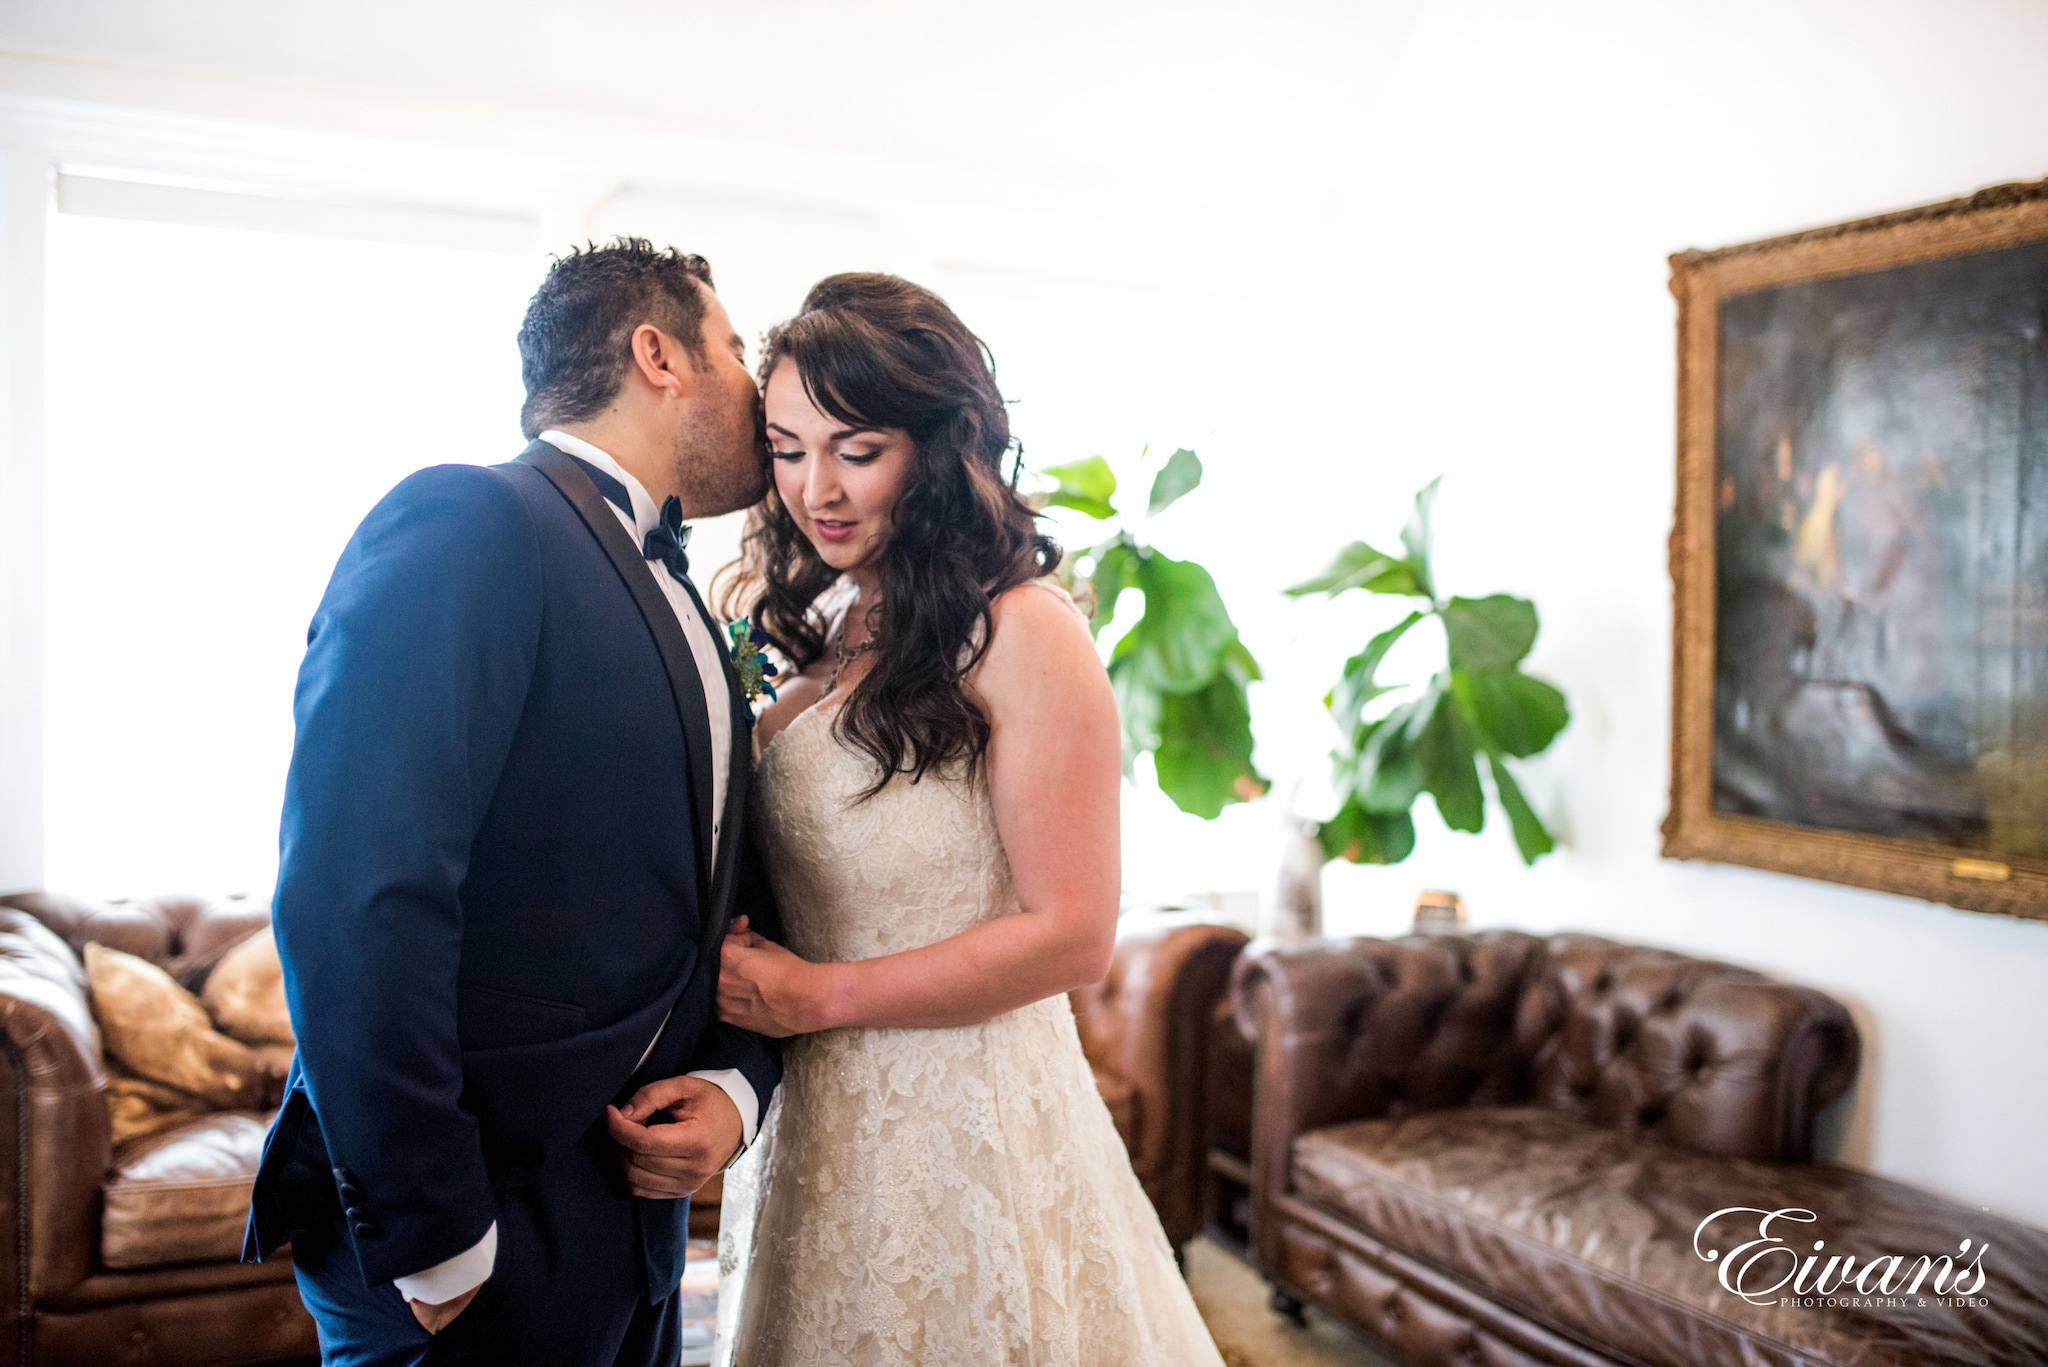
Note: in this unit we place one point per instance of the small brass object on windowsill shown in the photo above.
(1983, 870)
(1439, 913)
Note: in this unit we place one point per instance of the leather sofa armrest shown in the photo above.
(1299, 1006)
(53, 1113)
(1145, 1022)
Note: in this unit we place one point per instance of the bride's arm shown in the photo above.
(1054, 763)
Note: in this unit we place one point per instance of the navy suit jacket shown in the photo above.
(494, 882)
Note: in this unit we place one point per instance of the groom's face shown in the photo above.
(721, 454)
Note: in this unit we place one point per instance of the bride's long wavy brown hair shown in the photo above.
(877, 351)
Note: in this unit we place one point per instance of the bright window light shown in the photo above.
(223, 408)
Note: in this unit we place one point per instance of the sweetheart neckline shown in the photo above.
(791, 725)
(1043, 582)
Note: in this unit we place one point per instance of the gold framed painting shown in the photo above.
(1860, 554)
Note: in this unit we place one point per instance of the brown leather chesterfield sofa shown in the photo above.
(1146, 1029)
(1499, 1149)
(135, 1263)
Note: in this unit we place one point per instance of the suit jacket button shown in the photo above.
(367, 1229)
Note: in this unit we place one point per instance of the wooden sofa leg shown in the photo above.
(1284, 1304)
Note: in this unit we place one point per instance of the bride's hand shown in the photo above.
(764, 988)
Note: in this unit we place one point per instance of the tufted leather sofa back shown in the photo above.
(1703, 1054)
(185, 936)
(1706, 1055)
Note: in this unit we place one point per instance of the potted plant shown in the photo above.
(1180, 671)
(1479, 709)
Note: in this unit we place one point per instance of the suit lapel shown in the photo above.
(739, 763)
(676, 660)
(738, 773)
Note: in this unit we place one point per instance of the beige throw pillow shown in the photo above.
(245, 994)
(139, 1108)
(159, 1031)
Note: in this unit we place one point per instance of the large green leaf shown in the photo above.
(1204, 758)
(1513, 713)
(1388, 776)
(1418, 537)
(1085, 486)
(1237, 662)
(1367, 837)
(1116, 569)
(1357, 686)
(1177, 644)
(1138, 705)
(1530, 836)
(1180, 674)
(1359, 566)
(1445, 751)
(1489, 633)
(1181, 473)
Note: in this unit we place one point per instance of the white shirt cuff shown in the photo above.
(734, 1084)
(464, 1272)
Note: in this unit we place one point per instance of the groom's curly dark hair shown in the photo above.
(577, 339)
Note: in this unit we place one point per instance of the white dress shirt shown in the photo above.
(470, 1269)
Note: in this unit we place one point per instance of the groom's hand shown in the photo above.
(435, 1318)
(667, 1161)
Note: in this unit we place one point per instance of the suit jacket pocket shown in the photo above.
(492, 1018)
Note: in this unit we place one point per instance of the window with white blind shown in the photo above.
(222, 406)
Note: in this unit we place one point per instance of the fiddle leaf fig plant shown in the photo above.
(1480, 709)
(1179, 671)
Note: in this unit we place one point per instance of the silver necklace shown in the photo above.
(846, 655)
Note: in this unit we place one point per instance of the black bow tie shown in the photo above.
(666, 542)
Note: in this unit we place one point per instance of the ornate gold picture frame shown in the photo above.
(1860, 554)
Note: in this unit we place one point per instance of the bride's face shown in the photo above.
(840, 483)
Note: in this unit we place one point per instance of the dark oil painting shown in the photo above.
(1881, 653)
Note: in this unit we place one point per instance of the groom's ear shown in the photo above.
(663, 363)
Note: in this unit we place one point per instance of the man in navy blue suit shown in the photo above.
(512, 841)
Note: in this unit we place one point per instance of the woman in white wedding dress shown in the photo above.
(937, 1181)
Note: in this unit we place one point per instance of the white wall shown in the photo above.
(1490, 304)
(1509, 325)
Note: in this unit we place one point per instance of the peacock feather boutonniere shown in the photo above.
(750, 662)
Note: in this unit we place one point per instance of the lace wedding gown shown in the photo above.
(948, 1198)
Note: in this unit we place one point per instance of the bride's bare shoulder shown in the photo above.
(1038, 605)
(1040, 643)
(1035, 616)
